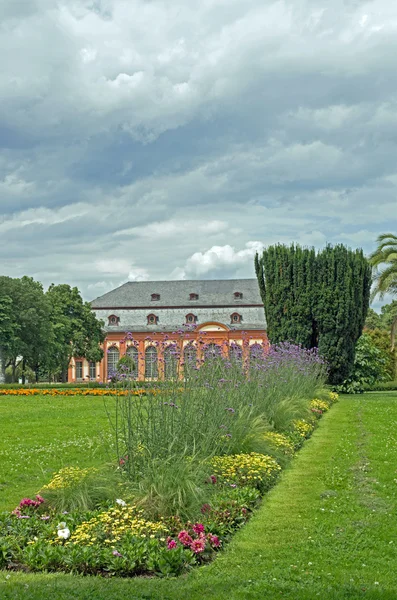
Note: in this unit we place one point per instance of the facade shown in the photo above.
(163, 325)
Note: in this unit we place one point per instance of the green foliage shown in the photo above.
(316, 300)
(176, 485)
(370, 365)
(77, 330)
(73, 488)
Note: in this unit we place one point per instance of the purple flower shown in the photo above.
(115, 553)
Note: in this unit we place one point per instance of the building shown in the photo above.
(161, 324)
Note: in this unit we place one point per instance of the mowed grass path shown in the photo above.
(327, 530)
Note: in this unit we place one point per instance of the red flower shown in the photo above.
(171, 544)
(198, 528)
(214, 540)
(198, 546)
(185, 538)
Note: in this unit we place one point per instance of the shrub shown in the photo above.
(280, 442)
(255, 470)
(370, 365)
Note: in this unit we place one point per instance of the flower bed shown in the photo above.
(75, 392)
(191, 467)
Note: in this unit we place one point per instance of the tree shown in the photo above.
(316, 299)
(373, 320)
(28, 317)
(77, 330)
(8, 331)
(386, 276)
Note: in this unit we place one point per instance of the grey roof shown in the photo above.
(177, 327)
(211, 292)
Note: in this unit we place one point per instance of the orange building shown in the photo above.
(162, 324)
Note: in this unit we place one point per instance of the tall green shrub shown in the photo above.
(316, 299)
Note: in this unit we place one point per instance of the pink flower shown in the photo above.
(206, 508)
(213, 479)
(198, 528)
(185, 538)
(171, 544)
(115, 553)
(198, 546)
(214, 540)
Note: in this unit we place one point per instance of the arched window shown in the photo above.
(152, 319)
(113, 320)
(238, 295)
(132, 352)
(256, 354)
(189, 359)
(235, 318)
(212, 351)
(193, 296)
(171, 360)
(113, 358)
(155, 296)
(191, 318)
(151, 363)
(236, 354)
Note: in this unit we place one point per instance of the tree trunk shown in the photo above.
(14, 368)
(23, 370)
(2, 368)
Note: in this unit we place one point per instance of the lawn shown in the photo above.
(41, 434)
(327, 530)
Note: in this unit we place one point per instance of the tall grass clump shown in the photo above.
(216, 406)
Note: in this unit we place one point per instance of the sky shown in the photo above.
(154, 139)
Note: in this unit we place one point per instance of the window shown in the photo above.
(152, 319)
(193, 296)
(189, 358)
(151, 364)
(236, 354)
(113, 320)
(132, 352)
(238, 295)
(92, 370)
(190, 318)
(212, 351)
(256, 355)
(235, 318)
(155, 296)
(113, 358)
(79, 369)
(171, 360)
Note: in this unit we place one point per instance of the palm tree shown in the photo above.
(385, 279)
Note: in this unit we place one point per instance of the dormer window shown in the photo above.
(152, 319)
(235, 318)
(193, 296)
(238, 295)
(155, 296)
(191, 318)
(113, 320)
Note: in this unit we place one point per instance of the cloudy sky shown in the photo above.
(160, 139)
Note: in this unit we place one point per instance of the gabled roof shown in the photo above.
(211, 292)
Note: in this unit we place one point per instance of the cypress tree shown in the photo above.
(316, 300)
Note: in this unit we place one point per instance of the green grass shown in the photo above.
(41, 434)
(327, 530)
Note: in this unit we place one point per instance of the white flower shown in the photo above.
(121, 502)
(61, 525)
(64, 533)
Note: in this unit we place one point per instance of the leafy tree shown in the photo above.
(77, 330)
(28, 317)
(384, 262)
(316, 299)
(373, 320)
(370, 366)
(8, 331)
(381, 339)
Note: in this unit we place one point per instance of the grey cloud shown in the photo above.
(132, 123)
